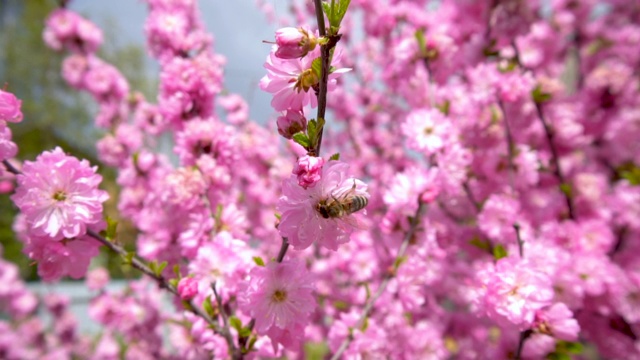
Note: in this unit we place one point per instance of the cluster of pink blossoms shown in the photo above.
(10, 111)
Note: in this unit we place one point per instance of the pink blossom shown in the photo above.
(59, 195)
(187, 288)
(514, 291)
(57, 259)
(292, 122)
(207, 138)
(279, 297)
(308, 170)
(551, 323)
(294, 43)
(10, 107)
(427, 130)
(8, 148)
(291, 81)
(302, 222)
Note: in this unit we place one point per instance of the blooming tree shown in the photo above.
(482, 199)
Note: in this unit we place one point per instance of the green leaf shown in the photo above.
(327, 10)
(302, 139)
(399, 261)
(258, 260)
(252, 342)
(315, 351)
(235, 323)
(245, 332)
(422, 43)
(566, 189)
(365, 324)
(499, 252)
(573, 347)
(344, 6)
(208, 306)
(162, 266)
(174, 282)
(278, 216)
(539, 96)
(176, 270)
(340, 305)
(112, 225)
(480, 243)
(558, 356)
(316, 67)
(631, 173)
(444, 107)
(312, 130)
(334, 157)
(128, 258)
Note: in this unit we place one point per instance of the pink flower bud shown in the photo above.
(10, 107)
(309, 170)
(292, 122)
(187, 288)
(294, 43)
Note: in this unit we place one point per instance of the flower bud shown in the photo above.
(10, 107)
(294, 43)
(187, 288)
(309, 170)
(292, 122)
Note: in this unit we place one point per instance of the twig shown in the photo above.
(10, 167)
(473, 200)
(283, 249)
(383, 286)
(524, 335)
(225, 321)
(164, 284)
(516, 227)
(548, 131)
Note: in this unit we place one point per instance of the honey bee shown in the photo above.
(343, 205)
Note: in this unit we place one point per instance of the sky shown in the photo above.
(238, 27)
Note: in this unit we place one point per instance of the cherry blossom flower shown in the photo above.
(291, 81)
(279, 297)
(10, 107)
(59, 195)
(303, 222)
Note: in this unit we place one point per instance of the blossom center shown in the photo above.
(279, 296)
(59, 196)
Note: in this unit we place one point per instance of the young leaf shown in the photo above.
(258, 260)
(312, 130)
(302, 139)
(235, 323)
(110, 233)
(335, 157)
(316, 67)
(539, 96)
(208, 306)
(499, 252)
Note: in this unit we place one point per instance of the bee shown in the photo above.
(343, 205)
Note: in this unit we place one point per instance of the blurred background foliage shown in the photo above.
(54, 113)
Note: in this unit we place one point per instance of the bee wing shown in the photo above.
(353, 221)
